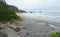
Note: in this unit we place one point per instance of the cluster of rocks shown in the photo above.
(3, 34)
(14, 26)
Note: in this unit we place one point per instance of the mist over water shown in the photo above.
(52, 15)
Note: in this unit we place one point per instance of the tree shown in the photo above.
(7, 13)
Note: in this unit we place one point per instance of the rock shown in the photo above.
(17, 29)
(1, 28)
(2, 34)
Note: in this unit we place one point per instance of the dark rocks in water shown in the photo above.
(17, 29)
(31, 12)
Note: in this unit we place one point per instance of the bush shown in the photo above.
(57, 34)
(7, 13)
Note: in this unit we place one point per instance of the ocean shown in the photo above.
(55, 16)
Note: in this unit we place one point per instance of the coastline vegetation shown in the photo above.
(7, 13)
(57, 34)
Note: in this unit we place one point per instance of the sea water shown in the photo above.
(46, 15)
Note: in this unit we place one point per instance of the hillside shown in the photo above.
(7, 12)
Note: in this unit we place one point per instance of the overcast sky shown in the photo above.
(36, 4)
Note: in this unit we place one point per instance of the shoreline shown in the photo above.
(40, 26)
(31, 27)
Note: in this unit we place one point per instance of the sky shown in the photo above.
(35, 4)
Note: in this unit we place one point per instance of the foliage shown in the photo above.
(22, 11)
(57, 34)
(13, 8)
(7, 13)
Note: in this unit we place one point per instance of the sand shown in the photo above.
(38, 26)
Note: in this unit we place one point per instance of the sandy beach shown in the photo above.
(29, 18)
(38, 26)
(34, 26)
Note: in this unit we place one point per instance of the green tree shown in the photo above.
(7, 13)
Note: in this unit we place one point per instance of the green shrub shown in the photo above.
(7, 13)
(57, 34)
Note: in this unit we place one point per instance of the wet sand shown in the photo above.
(39, 27)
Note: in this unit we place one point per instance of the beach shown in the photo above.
(32, 25)
(41, 27)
